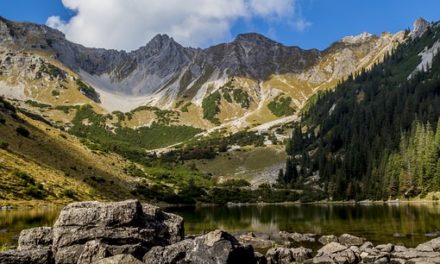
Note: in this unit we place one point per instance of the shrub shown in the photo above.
(235, 183)
(55, 92)
(22, 131)
(210, 107)
(280, 106)
(98, 179)
(69, 193)
(26, 178)
(88, 91)
(35, 192)
(241, 97)
(4, 145)
(133, 170)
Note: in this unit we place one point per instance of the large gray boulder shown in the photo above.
(220, 247)
(216, 247)
(86, 232)
(112, 228)
(37, 237)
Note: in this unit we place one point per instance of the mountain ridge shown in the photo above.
(163, 73)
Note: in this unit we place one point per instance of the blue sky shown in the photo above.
(328, 20)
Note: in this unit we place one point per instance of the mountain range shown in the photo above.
(248, 82)
(180, 124)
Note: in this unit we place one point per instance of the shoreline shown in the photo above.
(22, 204)
(89, 228)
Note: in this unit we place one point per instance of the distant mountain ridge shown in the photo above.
(163, 73)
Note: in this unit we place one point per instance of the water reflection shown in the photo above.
(13, 221)
(405, 224)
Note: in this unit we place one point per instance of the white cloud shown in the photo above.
(301, 24)
(122, 24)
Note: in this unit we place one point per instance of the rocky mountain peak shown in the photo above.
(365, 36)
(254, 39)
(420, 25)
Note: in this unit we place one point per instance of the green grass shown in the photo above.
(126, 141)
(241, 97)
(210, 105)
(280, 106)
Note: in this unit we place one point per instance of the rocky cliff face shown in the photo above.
(163, 73)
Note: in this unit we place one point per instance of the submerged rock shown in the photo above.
(297, 237)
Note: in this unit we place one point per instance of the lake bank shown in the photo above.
(94, 232)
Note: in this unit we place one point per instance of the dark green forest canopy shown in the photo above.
(361, 136)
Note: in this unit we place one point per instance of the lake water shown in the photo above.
(406, 224)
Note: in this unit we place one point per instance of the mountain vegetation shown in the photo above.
(375, 136)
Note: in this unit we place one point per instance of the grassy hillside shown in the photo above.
(40, 162)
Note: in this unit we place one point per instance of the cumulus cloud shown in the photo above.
(122, 24)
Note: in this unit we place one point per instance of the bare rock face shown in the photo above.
(419, 27)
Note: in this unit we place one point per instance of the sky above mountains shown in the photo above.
(129, 24)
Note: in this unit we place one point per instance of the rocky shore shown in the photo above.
(131, 232)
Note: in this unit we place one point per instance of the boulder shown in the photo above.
(42, 255)
(219, 247)
(328, 239)
(281, 255)
(433, 244)
(350, 240)
(216, 247)
(35, 238)
(385, 247)
(256, 242)
(332, 248)
(87, 228)
(172, 254)
(119, 259)
(412, 254)
(297, 237)
(337, 253)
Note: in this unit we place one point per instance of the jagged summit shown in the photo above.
(420, 26)
(365, 36)
(254, 38)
